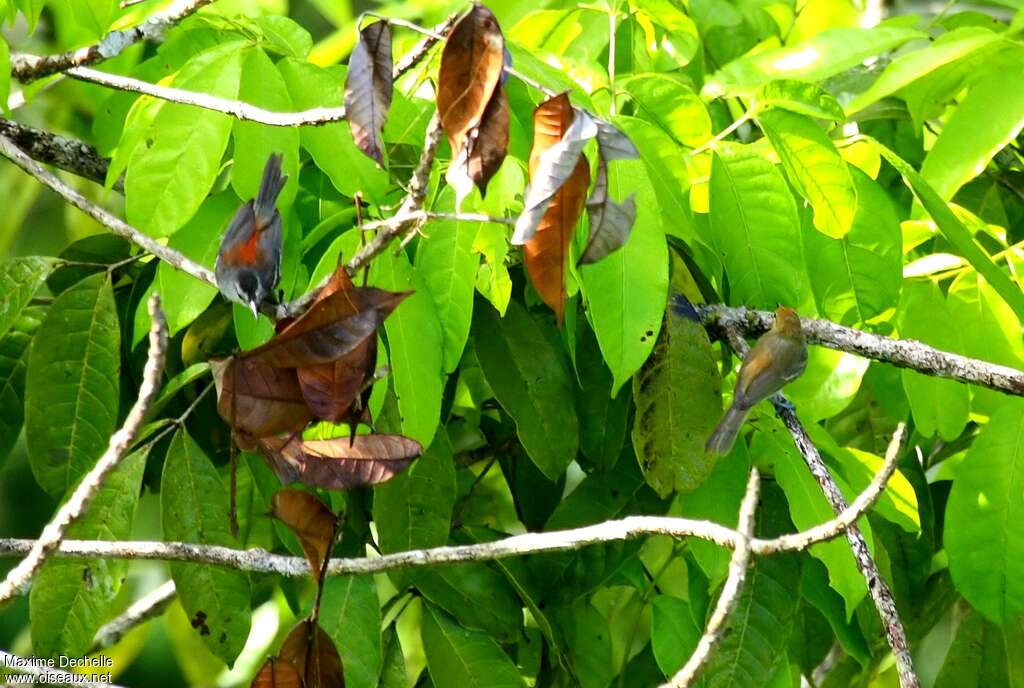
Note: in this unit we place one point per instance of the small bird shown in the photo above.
(778, 357)
(249, 260)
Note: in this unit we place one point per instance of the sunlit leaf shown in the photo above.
(800, 97)
(20, 279)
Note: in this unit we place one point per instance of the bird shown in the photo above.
(249, 259)
(777, 358)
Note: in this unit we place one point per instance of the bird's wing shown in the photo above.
(235, 236)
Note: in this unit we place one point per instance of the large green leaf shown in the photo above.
(20, 279)
(414, 347)
(911, 66)
(938, 404)
(261, 84)
(815, 590)
(194, 506)
(174, 167)
(755, 230)
(350, 614)
(858, 277)
(602, 418)
(815, 168)
(678, 397)
(815, 59)
(988, 118)
(479, 596)
(626, 291)
(529, 378)
(674, 634)
(983, 538)
(72, 383)
(14, 351)
(982, 654)
(331, 145)
(670, 103)
(448, 265)
(72, 598)
(457, 658)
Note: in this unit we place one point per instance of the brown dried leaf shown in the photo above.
(368, 88)
(339, 463)
(546, 254)
(277, 673)
(311, 650)
(311, 522)
(265, 400)
(331, 389)
(471, 65)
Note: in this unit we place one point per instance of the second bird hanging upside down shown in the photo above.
(778, 357)
(249, 260)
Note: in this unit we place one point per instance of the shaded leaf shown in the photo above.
(674, 634)
(368, 88)
(257, 399)
(311, 522)
(339, 463)
(457, 658)
(14, 353)
(350, 615)
(309, 649)
(20, 279)
(277, 673)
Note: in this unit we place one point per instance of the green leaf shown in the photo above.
(670, 103)
(20, 279)
(261, 84)
(913, 65)
(5, 75)
(626, 291)
(393, 674)
(589, 638)
(602, 418)
(350, 614)
(72, 382)
(674, 635)
(800, 97)
(457, 658)
(285, 35)
(477, 595)
(194, 507)
(858, 277)
(173, 169)
(448, 265)
(331, 145)
(414, 347)
(755, 231)
(955, 232)
(14, 352)
(815, 590)
(987, 119)
(938, 405)
(678, 397)
(983, 538)
(492, 279)
(72, 598)
(815, 59)
(815, 168)
(529, 379)
(828, 384)
(982, 654)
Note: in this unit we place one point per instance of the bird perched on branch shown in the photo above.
(778, 357)
(249, 260)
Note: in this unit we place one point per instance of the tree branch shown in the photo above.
(142, 610)
(420, 50)
(70, 155)
(26, 68)
(731, 590)
(88, 488)
(905, 353)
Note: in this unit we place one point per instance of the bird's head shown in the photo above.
(787, 322)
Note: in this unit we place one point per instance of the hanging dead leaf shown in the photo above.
(311, 522)
(560, 132)
(339, 463)
(368, 87)
(258, 400)
(613, 144)
(471, 65)
(277, 673)
(311, 650)
(610, 222)
(331, 389)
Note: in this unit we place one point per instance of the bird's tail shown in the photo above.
(270, 188)
(724, 436)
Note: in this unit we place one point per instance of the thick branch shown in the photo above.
(117, 226)
(54, 676)
(90, 485)
(905, 353)
(731, 590)
(70, 155)
(142, 610)
(26, 68)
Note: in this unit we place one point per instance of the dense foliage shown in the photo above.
(786, 155)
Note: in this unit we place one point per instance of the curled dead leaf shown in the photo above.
(258, 400)
(277, 673)
(339, 463)
(610, 222)
(368, 88)
(311, 650)
(311, 522)
(485, 148)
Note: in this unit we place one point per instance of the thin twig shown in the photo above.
(142, 610)
(420, 50)
(731, 590)
(70, 155)
(89, 487)
(26, 68)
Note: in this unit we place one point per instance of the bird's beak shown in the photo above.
(255, 309)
